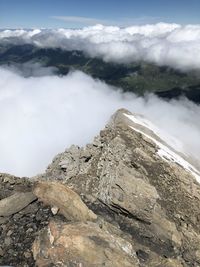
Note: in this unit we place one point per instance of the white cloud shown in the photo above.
(164, 44)
(80, 20)
(31, 69)
(41, 116)
(121, 22)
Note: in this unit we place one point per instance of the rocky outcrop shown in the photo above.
(82, 244)
(127, 199)
(63, 200)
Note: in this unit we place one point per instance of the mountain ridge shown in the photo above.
(147, 207)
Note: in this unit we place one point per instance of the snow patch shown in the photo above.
(164, 151)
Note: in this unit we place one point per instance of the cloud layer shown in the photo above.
(41, 116)
(164, 44)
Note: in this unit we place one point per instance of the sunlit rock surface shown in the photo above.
(144, 195)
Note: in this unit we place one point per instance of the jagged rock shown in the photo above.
(144, 193)
(15, 203)
(129, 181)
(66, 201)
(82, 244)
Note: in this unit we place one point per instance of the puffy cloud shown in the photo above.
(164, 44)
(41, 116)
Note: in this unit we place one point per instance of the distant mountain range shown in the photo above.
(138, 77)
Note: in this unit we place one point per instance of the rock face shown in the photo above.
(82, 244)
(142, 196)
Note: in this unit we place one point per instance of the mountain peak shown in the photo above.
(143, 196)
(168, 146)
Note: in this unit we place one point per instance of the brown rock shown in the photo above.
(82, 244)
(67, 201)
(124, 179)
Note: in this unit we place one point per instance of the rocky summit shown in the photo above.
(128, 199)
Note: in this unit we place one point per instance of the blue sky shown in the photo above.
(78, 13)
